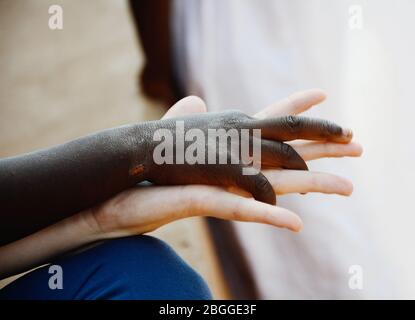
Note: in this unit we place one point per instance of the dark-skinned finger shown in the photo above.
(257, 185)
(296, 127)
(275, 154)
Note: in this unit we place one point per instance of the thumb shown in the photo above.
(185, 106)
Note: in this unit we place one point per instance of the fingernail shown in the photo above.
(347, 132)
(297, 227)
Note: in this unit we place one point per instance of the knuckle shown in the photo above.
(261, 183)
(315, 181)
(286, 150)
(234, 118)
(293, 123)
(238, 212)
(235, 114)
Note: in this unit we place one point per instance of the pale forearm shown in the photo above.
(42, 246)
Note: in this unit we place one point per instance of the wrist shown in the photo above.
(102, 222)
(41, 247)
(87, 226)
(141, 150)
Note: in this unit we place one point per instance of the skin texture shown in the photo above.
(132, 212)
(142, 209)
(43, 187)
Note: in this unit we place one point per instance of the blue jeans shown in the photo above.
(140, 267)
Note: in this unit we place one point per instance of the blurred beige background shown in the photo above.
(56, 85)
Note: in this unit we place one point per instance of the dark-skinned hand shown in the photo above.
(274, 152)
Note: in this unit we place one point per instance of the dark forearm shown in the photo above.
(40, 188)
